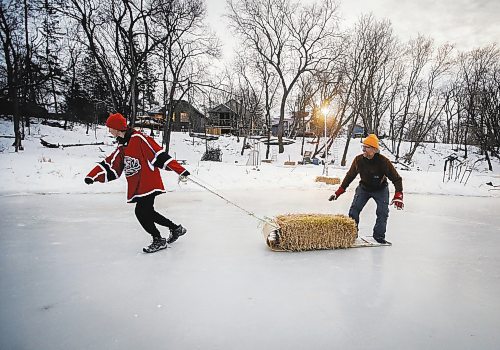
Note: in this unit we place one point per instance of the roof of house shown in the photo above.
(276, 119)
(222, 108)
(187, 103)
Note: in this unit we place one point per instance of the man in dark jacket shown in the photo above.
(374, 170)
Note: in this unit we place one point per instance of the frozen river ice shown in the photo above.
(72, 276)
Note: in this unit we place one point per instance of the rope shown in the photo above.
(267, 221)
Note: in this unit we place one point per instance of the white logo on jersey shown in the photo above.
(132, 166)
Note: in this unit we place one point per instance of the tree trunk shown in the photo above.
(269, 131)
(17, 121)
(348, 140)
(281, 123)
(490, 166)
(303, 135)
(244, 144)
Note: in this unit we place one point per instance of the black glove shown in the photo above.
(89, 181)
(186, 173)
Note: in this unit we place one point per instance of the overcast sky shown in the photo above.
(467, 23)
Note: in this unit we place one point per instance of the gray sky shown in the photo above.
(467, 23)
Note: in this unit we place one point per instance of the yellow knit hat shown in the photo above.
(371, 140)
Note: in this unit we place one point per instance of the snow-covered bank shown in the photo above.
(39, 169)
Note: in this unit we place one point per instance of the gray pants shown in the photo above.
(381, 197)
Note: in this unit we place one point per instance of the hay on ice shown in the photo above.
(328, 180)
(298, 232)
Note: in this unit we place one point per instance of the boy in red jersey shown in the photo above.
(140, 157)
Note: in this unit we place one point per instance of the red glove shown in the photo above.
(336, 194)
(398, 200)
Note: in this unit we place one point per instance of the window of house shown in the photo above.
(184, 117)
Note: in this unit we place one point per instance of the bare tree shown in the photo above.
(380, 61)
(370, 77)
(92, 19)
(450, 110)
(123, 35)
(186, 45)
(431, 100)
(11, 37)
(479, 78)
(268, 79)
(250, 96)
(305, 91)
(329, 85)
(491, 103)
(293, 39)
(419, 52)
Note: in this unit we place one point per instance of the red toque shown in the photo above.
(117, 121)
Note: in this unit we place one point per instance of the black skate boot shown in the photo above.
(176, 233)
(382, 240)
(156, 245)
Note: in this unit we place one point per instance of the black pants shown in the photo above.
(147, 216)
(381, 197)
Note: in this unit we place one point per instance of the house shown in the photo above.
(358, 131)
(223, 120)
(287, 124)
(303, 121)
(186, 117)
(226, 118)
(300, 122)
(149, 119)
(232, 118)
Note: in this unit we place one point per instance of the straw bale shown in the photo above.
(300, 232)
(328, 180)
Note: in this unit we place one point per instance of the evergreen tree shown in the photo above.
(146, 83)
(48, 57)
(92, 80)
(79, 106)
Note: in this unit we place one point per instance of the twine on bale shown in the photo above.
(328, 180)
(300, 232)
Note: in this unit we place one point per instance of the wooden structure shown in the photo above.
(224, 118)
(186, 117)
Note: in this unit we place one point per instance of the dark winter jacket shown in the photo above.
(373, 172)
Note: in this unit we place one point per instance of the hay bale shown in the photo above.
(328, 180)
(300, 232)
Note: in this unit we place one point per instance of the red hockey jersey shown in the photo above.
(139, 157)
